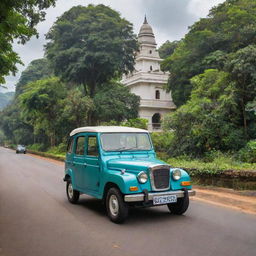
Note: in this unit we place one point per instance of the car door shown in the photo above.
(79, 163)
(92, 171)
(69, 155)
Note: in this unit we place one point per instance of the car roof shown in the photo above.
(107, 129)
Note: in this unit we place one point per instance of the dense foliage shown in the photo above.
(167, 49)
(36, 70)
(210, 119)
(228, 28)
(86, 44)
(248, 153)
(115, 102)
(213, 81)
(18, 20)
(90, 46)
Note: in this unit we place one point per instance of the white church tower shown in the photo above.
(148, 81)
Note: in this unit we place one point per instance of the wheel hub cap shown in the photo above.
(70, 190)
(113, 205)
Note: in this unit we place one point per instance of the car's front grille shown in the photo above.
(161, 178)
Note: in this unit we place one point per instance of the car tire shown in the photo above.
(24, 152)
(117, 209)
(17, 152)
(180, 207)
(72, 194)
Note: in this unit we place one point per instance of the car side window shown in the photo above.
(80, 145)
(70, 145)
(92, 149)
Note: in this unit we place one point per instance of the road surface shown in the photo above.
(37, 220)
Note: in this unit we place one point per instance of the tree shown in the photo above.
(210, 119)
(229, 27)
(141, 123)
(37, 69)
(242, 67)
(75, 108)
(90, 46)
(18, 20)
(14, 128)
(167, 49)
(115, 103)
(40, 105)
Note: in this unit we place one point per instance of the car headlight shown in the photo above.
(142, 177)
(176, 174)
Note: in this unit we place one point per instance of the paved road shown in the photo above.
(37, 220)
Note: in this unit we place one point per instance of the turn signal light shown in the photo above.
(134, 188)
(185, 183)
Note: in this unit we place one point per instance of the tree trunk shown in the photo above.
(92, 89)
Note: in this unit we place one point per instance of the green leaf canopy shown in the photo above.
(90, 46)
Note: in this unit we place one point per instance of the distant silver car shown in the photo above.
(21, 149)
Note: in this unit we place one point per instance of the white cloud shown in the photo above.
(200, 8)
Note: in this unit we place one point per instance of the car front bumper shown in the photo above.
(149, 196)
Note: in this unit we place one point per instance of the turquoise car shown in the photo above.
(119, 166)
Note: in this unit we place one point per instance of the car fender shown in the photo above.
(175, 185)
(123, 180)
(69, 172)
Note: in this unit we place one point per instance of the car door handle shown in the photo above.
(75, 163)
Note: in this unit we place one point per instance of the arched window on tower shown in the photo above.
(157, 96)
(151, 68)
(156, 121)
(150, 52)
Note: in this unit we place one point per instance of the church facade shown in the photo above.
(148, 81)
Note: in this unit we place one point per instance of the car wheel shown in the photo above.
(72, 194)
(24, 152)
(117, 209)
(180, 207)
(17, 152)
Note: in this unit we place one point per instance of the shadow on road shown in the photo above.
(92, 204)
(136, 214)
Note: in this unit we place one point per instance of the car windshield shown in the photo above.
(125, 141)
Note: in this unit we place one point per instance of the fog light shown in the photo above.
(134, 188)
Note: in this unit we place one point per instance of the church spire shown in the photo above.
(145, 20)
(146, 35)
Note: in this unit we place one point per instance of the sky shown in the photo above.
(169, 19)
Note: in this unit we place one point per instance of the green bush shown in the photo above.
(162, 140)
(135, 122)
(217, 165)
(37, 147)
(58, 150)
(248, 153)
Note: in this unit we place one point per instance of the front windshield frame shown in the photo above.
(123, 149)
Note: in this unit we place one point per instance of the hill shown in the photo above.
(5, 99)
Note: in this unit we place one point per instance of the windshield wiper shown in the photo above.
(122, 149)
(128, 149)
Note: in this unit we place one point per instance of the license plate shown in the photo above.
(164, 199)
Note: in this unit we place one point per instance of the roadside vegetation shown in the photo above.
(212, 80)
